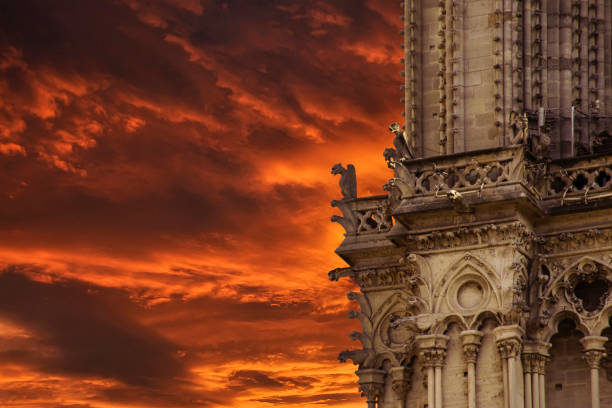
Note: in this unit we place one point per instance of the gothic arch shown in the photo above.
(470, 285)
(553, 325)
(482, 317)
(443, 326)
(386, 356)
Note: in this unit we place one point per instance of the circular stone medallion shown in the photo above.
(470, 295)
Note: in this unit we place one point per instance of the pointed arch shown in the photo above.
(466, 277)
(553, 325)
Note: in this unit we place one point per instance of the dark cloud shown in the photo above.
(89, 330)
(244, 380)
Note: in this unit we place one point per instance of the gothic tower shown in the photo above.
(485, 271)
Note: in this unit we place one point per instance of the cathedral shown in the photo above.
(485, 270)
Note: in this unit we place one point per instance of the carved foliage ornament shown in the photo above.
(572, 241)
(593, 358)
(515, 233)
(432, 357)
(509, 348)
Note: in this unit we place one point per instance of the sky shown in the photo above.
(164, 204)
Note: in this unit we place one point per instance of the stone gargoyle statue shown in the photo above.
(348, 180)
(348, 188)
(402, 150)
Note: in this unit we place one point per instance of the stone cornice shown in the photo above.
(511, 233)
(379, 277)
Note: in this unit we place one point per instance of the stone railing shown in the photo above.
(578, 180)
(463, 171)
(369, 215)
(558, 183)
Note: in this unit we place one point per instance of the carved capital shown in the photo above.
(400, 381)
(509, 340)
(593, 358)
(432, 349)
(535, 356)
(594, 350)
(470, 351)
(471, 344)
(433, 357)
(371, 384)
(534, 363)
(509, 348)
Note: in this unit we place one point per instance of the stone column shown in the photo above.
(509, 340)
(371, 385)
(400, 382)
(432, 351)
(594, 351)
(471, 344)
(535, 357)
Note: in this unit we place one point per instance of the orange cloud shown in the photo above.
(165, 235)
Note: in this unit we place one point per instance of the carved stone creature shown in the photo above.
(404, 180)
(520, 127)
(456, 198)
(537, 143)
(348, 220)
(348, 180)
(363, 358)
(400, 142)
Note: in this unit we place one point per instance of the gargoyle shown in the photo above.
(363, 338)
(458, 202)
(520, 128)
(348, 180)
(348, 220)
(364, 304)
(363, 358)
(400, 142)
(338, 273)
(366, 323)
(405, 189)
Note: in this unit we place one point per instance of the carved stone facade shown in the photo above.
(485, 271)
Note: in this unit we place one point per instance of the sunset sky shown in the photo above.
(164, 218)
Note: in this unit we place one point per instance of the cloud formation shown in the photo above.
(164, 216)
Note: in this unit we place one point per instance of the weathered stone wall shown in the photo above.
(473, 67)
(568, 379)
(454, 374)
(489, 384)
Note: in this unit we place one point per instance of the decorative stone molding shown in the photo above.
(386, 277)
(514, 233)
(382, 276)
(567, 242)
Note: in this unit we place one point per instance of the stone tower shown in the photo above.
(485, 271)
